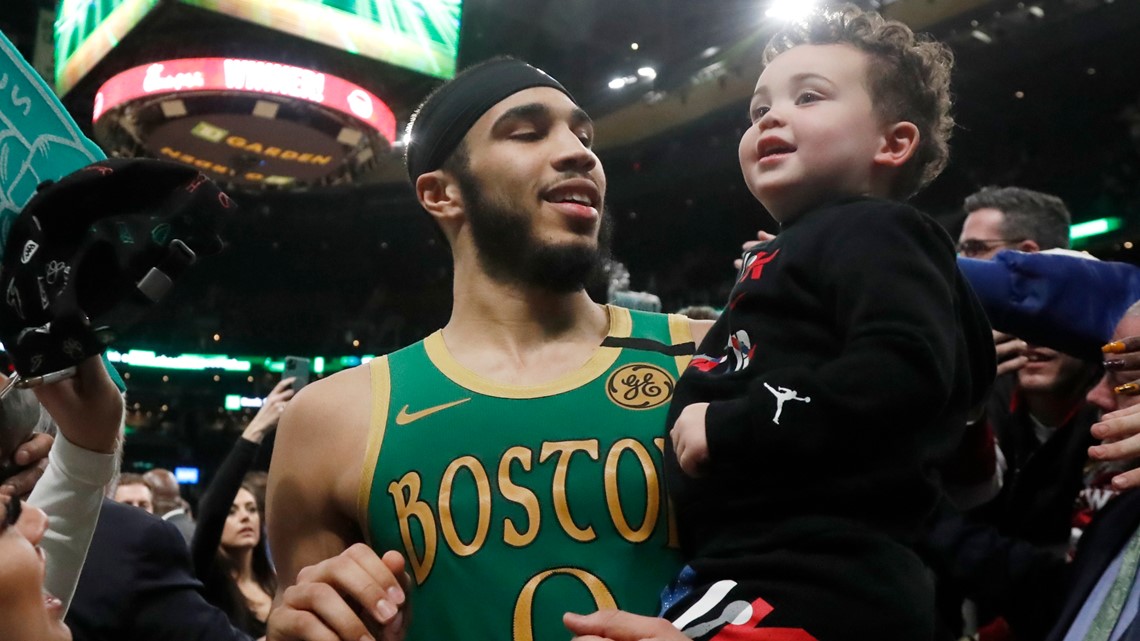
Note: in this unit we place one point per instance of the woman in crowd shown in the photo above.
(28, 614)
(229, 547)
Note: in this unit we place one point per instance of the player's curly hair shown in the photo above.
(908, 77)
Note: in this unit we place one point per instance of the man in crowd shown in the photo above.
(1037, 413)
(1000, 218)
(131, 489)
(168, 502)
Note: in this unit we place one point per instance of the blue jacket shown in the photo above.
(1067, 303)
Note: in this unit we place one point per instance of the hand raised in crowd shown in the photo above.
(353, 596)
(270, 413)
(32, 455)
(87, 408)
(1119, 433)
(761, 237)
(1124, 356)
(690, 441)
(1010, 352)
(616, 625)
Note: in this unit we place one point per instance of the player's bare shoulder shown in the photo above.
(698, 328)
(324, 430)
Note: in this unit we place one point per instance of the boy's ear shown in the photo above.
(900, 141)
(439, 194)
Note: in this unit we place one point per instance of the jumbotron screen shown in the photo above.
(421, 35)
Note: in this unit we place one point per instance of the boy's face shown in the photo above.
(814, 132)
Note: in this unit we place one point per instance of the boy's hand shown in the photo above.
(615, 625)
(689, 439)
(1010, 353)
(761, 237)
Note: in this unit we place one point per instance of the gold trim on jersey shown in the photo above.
(621, 325)
(681, 331)
(381, 397)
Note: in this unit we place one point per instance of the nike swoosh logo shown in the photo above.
(404, 418)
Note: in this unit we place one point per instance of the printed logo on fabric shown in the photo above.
(14, 299)
(640, 386)
(44, 302)
(403, 417)
(30, 248)
(54, 269)
(73, 348)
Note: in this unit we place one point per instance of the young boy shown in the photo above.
(804, 433)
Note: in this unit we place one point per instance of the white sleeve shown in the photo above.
(71, 493)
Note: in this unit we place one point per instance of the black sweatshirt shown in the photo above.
(840, 372)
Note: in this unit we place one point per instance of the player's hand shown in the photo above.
(1124, 356)
(616, 625)
(761, 237)
(689, 439)
(1119, 432)
(32, 455)
(87, 408)
(1010, 353)
(270, 412)
(353, 596)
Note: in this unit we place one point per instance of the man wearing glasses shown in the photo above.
(1000, 218)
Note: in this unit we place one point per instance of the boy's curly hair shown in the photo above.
(908, 77)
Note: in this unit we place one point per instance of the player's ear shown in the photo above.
(899, 143)
(439, 193)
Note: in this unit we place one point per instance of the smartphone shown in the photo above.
(297, 368)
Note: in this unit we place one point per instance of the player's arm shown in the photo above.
(311, 505)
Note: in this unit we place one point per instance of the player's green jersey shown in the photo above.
(515, 504)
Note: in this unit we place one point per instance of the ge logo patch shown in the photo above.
(640, 386)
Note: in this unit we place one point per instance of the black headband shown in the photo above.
(442, 121)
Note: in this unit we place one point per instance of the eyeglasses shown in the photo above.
(977, 246)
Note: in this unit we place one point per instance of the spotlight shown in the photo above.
(790, 10)
(981, 36)
(617, 83)
(649, 73)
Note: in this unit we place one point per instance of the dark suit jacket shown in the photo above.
(184, 523)
(137, 583)
(1099, 545)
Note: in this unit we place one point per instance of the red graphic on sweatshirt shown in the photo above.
(704, 363)
(749, 630)
(742, 348)
(198, 181)
(754, 267)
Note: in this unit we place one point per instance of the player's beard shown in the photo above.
(510, 252)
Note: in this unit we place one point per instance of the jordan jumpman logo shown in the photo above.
(783, 394)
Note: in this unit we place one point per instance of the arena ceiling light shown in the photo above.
(791, 10)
